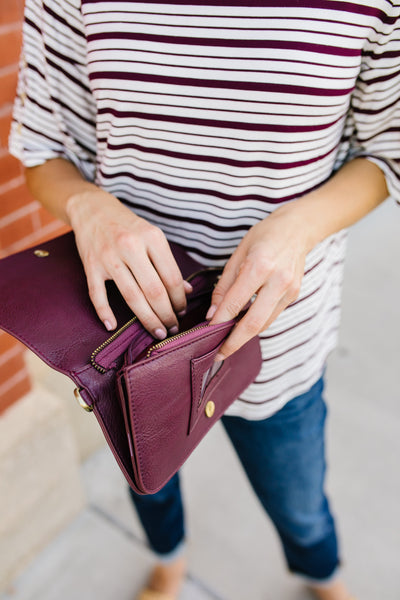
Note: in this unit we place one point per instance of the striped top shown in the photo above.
(204, 116)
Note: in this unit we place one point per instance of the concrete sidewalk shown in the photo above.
(234, 552)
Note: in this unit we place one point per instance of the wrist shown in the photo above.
(82, 203)
(302, 223)
(356, 189)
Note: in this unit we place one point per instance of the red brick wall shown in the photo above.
(23, 222)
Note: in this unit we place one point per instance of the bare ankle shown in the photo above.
(334, 591)
(168, 577)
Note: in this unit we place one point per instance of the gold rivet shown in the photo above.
(81, 401)
(41, 253)
(210, 408)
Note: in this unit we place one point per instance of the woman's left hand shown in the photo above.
(269, 262)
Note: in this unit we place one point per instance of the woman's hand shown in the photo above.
(269, 262)
(116, 244)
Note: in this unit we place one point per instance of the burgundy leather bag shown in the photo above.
(154, 400)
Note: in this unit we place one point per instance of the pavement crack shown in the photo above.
(106, 516)
(117, 524)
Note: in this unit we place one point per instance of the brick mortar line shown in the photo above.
(24, 211)
(4, 152)
(9, 69)
(12, 381)
(30, 239)
(134, 538)
(12, 184)
(6, 110)
(9, 354)
(10, 27)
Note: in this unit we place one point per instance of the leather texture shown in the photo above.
(151, 408)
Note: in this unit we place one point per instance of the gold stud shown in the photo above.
(210, 408)
(81, 401)
(41, 253)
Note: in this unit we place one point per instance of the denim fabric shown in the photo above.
(284, 459)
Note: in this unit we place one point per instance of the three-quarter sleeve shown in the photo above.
(54, 110)
(375, 104)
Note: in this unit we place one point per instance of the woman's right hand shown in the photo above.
(114, 243)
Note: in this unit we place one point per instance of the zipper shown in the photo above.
(179, 335)
(155, 346)
(171, 339)
(106, 343)
(205, 270)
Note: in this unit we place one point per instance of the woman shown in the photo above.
(252, 134)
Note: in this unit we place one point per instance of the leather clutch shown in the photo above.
(154, 401)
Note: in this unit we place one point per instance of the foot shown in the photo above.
(334, 591)
(167, 578)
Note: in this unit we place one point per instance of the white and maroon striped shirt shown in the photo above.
(204, 116)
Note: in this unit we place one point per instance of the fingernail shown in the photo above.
(219, 357)
(211, 312)
(182, 313)
(108, 325)
(173, 330)
(160, 333)
(188, 286)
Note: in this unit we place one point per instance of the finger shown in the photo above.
(242, 287)
(170, 275)
(268, 303)
(136, 300)
(98, 296)
(225, 282)
(154, 290)
(289, 297)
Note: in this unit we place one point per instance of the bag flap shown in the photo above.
(46, 305)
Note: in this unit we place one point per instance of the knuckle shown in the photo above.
(101, 307)
(93, 290)
(286, 279)
(115, 266)
(124, 239)
(90, 260)
(262, 266)
(175, 280)
(154, 233)
(294, 291)
(130, 294)
(217, 295)
(103, 311)
(251, 325)
(233, 308)
(154, 291)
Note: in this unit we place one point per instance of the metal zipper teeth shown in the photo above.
(159, 345)
(106, 343)
(205, 270)
(171, 339)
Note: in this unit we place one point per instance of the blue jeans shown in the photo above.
(284, 459)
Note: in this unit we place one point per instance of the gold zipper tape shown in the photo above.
(106, 343)
(160, 344)
(171, 339)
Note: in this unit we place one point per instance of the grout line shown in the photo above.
(100, 512)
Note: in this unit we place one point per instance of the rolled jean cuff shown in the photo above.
(177, 552)
(315, 582)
